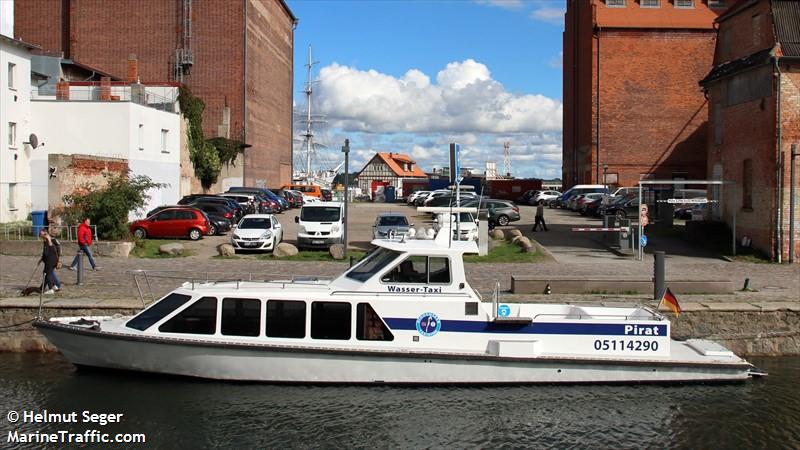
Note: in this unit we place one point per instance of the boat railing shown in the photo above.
(145, 279)
(572, 316)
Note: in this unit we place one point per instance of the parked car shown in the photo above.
(178, 221)
(525, 198)
(465, 230)
(291, 199)
(246, 201)
(544, 195)
(505, 210)
(619, 192)
(390, 223)
(326, 195)
(311, 190)
(591, 207)
(238, 211)
(583, 199)
(277, 203)
(257, 232)
(563, 200)
(414, 195)
(221, 216)
(625, 207)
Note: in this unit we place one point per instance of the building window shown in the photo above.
(12, 196)
(12, 76)
(651, 3)
(615, 3)
(717, 116)
(164, 137)
(747, 184)
(756, 24)
(684, 3)
(141, 136)
(12, 134)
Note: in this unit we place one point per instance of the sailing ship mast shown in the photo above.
(310, 121)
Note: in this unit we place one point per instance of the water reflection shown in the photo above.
(179, 412)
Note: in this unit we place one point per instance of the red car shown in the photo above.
(172, 222)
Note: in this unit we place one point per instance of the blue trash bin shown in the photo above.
(39, 219)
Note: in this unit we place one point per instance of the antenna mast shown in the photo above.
(506, 158)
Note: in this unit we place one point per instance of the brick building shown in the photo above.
(237, 53)
(632, 107)
(754, 97)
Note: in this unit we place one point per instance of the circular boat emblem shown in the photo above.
(503, 310)
(428, 324)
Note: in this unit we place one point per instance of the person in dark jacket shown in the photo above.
(84, 244)
(51, 254)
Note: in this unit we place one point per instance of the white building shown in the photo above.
(15, 123)
(147, 137)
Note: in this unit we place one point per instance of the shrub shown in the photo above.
(108, 207)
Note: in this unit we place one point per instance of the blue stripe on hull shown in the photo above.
(471, 326)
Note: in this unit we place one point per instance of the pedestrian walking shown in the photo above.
(540, 216)
(492, 213)
(84, 244)
(51, 257)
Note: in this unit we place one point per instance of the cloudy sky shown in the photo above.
(412, 76)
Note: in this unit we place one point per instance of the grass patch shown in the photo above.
(314, 255)
(505, 252)
(147, 248)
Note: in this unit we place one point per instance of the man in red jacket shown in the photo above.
(85, 244)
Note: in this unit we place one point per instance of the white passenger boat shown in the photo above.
(405, 314)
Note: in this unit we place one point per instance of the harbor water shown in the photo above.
(184, 413)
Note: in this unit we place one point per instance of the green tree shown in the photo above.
(203, 154)
(108, 207)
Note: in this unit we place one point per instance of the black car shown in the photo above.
(625, 207)
(591, 208)
(238, 212)
(215, 209)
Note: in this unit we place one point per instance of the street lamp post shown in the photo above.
(605, 174)
(346, 151)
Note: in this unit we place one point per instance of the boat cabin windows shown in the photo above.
(286, 318)
(369, 326)
(199, 318)
(420, 270)
(330, 320)
(158, 311)
(372, 264)
(241, 316)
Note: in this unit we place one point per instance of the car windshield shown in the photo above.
(372, 264)
(320, 214)
(392, 221)
(258, 223)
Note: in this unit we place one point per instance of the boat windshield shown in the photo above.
(320, 214)
(373, 264)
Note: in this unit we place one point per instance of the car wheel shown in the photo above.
(212, 230)
(195, 234)
(140, 233)
(502, 220)
(619, 215)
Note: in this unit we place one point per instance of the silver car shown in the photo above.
(395, 224)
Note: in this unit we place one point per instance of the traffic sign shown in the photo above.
(643, 241)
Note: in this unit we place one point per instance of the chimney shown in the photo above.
(62, 90)
(133, 69)
(105, 89)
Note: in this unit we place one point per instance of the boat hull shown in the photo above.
(286, 364)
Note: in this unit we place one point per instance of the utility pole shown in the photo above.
(346, 151)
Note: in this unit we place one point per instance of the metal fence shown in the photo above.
(64, 233)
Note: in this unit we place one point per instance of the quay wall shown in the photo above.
(747, 332)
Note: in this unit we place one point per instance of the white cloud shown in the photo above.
(465, 99)
(549, 14)
(506, 4)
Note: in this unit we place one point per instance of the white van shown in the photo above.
(320, 224)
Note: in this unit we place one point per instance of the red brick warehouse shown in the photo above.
(632, 106)
(238, 52)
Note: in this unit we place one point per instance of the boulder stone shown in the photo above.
(531, 249)
(513, 233)
(523, 242)
(284, 249)
(497, 234)
(173, 249)
(337, 251)
(226, 250)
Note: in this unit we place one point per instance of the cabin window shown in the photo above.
(157, 311)
(372, 264)
(241, 317)
(330, 320)
(420, 269)
(369, 326)
(199, 318)
(286, 319)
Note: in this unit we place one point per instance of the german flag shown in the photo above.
(671, 302)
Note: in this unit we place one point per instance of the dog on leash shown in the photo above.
(30, 290)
